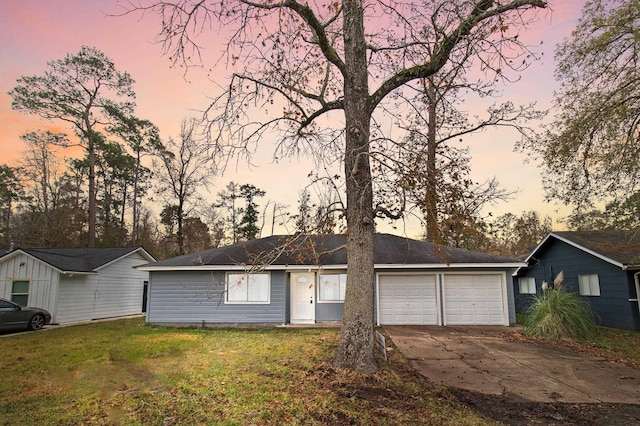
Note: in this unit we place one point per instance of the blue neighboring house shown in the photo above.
(601, 266)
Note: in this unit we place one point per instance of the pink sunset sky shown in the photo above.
(33, 32)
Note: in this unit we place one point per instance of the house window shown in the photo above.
(332, 287)
(589, 285)
(527, 285)
(20, 292)
(248, 288)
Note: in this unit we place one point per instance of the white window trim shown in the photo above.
(319, 298)
(591, 287)
(20, 294)
(247, 302)
(527, 283)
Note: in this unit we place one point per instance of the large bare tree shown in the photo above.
(183, 169)
(41, 170)
(301, 67)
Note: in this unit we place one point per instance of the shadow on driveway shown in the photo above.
(481, 359)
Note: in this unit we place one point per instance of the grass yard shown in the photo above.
(612, 344)
(127, 372)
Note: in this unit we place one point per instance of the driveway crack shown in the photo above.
(538, 371)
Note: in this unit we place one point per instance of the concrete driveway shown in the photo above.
(482, 359)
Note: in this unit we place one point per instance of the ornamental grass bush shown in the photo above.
(558, 313)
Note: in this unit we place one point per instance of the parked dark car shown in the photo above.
(16, 317)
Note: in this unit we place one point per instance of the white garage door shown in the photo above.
(473, 300)
(408, 299)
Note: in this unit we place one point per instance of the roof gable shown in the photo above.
(620, 248)
(79, 260)
(328, 250)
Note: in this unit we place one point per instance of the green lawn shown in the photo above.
(126, 372)
(615, 345)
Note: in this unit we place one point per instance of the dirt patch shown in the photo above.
(406, 405)
(512, 411)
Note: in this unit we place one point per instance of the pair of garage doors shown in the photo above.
(456, 299)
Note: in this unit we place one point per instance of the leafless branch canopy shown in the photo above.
(287, 63)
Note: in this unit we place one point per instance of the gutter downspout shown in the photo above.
(636, 278)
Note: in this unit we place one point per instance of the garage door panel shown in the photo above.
(408, 299)
(473, 299)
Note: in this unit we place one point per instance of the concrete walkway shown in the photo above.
(481, 359)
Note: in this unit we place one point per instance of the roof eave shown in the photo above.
(151, 268)
(141, 250)
(579, 247)
(591, 252)
(19, 251)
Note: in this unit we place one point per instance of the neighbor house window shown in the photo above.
(589, 285)
(248, 288)
(20, 292)
(527, 285)
(332, 287)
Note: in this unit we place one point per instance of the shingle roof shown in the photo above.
(620, 246)
(77, 259)
(328, 250)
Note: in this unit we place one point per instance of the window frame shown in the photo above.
(593, 283)
(527, 282)
(244, 276)
(21, 295)
(342, 285)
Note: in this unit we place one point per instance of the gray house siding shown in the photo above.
(329, 311)
(612, 308)
(198, 298)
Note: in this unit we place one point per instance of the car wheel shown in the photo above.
(36, 322)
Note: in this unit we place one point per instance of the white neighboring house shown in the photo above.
(77, 284)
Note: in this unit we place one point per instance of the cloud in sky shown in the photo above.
(36, 31)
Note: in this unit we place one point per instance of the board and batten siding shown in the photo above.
(612, 308)
(114, 291)
(43, 281)
(198, 298)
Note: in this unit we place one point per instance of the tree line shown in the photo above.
(105, 196)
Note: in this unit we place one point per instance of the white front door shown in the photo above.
(303, 298)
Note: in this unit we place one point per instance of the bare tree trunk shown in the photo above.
(181, 224)
(433, 228)
(135, 210)
(355, 349)
(91, 238)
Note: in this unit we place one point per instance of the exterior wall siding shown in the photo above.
(329, 311)
(115, 291)
(612, 308)
(197, 297)
(43, 281)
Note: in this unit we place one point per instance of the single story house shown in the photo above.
(301, 280)
(76, 284)
(601, 266)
